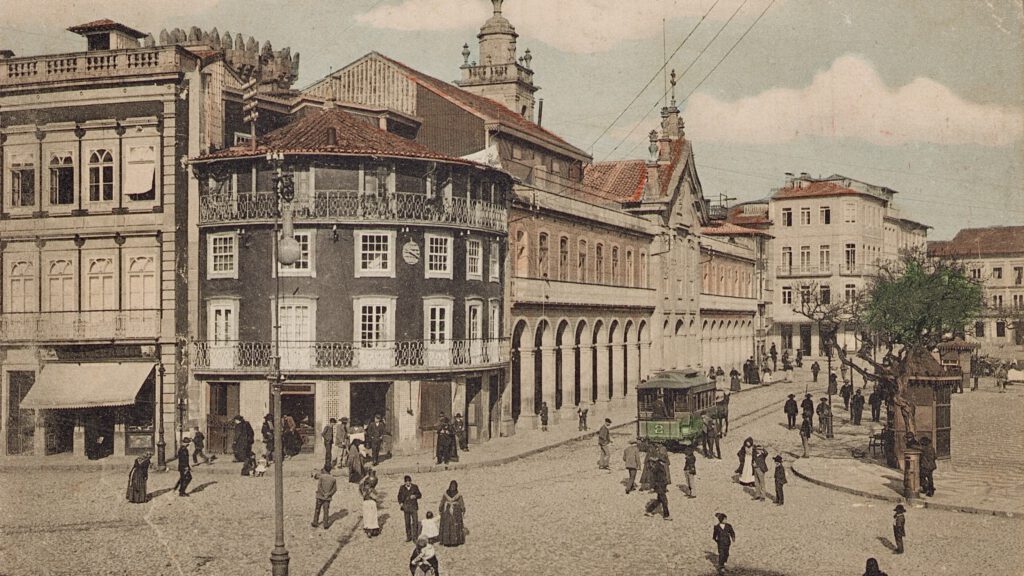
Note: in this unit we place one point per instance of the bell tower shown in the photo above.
(499, 74)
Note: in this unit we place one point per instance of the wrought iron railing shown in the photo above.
(239, 356)
(341, 205)
(808, 270)
(80, 325)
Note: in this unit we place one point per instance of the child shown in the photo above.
(780, 480)
(198, 444)
(430, 529)
(899, 527)
(249, 469)
(690, 469)
(261, 467)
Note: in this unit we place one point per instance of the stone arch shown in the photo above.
(631, 357)
(564, 362)
(598, 340)
(614, 349)
(542, 342)
(583, 360)
(520, 328)
(643, 339)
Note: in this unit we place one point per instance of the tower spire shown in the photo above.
(497, 6)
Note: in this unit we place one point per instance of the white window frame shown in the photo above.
(140, 164)
(21, 162)
(296, 353)
(101, 181)
(849, 213)
(60, 160)
(214, 304)
(26, 290)
(310, 253)
(388, 330)
(66, 285)
(449, 256)
(805, 216)
(494, 262)
(479, 274)
(211, 241)
(388, 271)
(825, 215)
(494, 318)
(88, 277)
(445, 303)
(133, 275)
(787, 295)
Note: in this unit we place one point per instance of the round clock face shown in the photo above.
(411, 252)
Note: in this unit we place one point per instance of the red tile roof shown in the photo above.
(308, 134)
(105, 24)
(812, 189)
(617, 181)
(723, 228)
(486, 107)
(739, 217)
(981, 242)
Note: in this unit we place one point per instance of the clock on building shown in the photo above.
(411, 252)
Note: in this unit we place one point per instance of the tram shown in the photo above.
(670, 405)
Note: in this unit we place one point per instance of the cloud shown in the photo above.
(850, 100)
(596, 25)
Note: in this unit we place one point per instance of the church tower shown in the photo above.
(499, 75)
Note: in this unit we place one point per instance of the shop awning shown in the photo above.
(87, 385)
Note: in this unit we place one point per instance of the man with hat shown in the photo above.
(631, 456)
(341, 442)
(604, 440)
(780, 480)
(791, 410)
(184, 467)
(927, 466)
(807, 406)
(899, 527)
(659, 482)
(724, 535)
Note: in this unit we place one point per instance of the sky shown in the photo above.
(923, 96)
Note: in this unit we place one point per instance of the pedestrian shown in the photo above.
(328, 438)
(780, 480)
(604, 440)
(409, 501)
(445, 449)
(760, 468)
(805, 431)
(368, 491)
(927, 466)
(833, 384)
(690, 470)
(267, 432)
(846, 392)
(766, 376)
(647, 448)
(581, 413)
(807, 406)
(746, 463)
(724, 535)
(872, 569)
(899, 527)
(184, 470)
(242, 445)
(774, 354)
(341, 442)
(461, 432)
(734, 380)
(375, 437)
(326, 486)
(198, 444)
(822, 410)
(423, 561)
(875, 400)
(713, 433)
(631, 456)
(856, 407)
(799, 358)
(746, 370)
(815, 369)
(790, 409)
(430, 528)
(137, 492)
(356, 471)
(659, 483)
(453, 511)
(706, 437)
(543, 416)
(291, 442)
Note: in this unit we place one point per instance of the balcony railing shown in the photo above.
(84, 65)
(409, 355)
(791, 271)
(341, 205)
(76, 326)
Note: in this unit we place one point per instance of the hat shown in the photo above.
(792, 395)
(778, 458)
(807, 395)
(607, 420)
(720, 516)
(186, 440)
(899, 508)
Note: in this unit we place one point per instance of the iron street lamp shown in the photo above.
(288, 252)
(182, 413)
(161, 446)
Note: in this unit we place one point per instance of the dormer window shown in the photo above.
(99, 41)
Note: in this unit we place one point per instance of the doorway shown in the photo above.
(494, 407)
(805, 339)
(99, 432)
(299, 402)
(220, 430)
(474, 408)
(435, 403)
(60, 431)
(367, 399)
(21, 426)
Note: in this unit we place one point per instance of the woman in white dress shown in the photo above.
(746, 462)
(368, 490)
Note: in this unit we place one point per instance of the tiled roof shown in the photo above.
(486, 107)
(308, 134)
(813, 189)
(723, 228)
(617, 181)
(740, 218)
(105, 24)
(981, 242)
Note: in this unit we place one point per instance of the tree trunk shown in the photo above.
(904, 414)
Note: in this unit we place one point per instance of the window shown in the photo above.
(297, 319)
(787, 295)
(494, 319)
(849, 212)
(222, 321)
(643, 270)
(1018, 275)
(805, 258)
(242, 138)
(437, 320)
(23, 181)
(976, 273)
(787, 258)
(60, 286)
(22, 288)
(805, 216)
(615, 265)
(62, 179)
(101, 176)
(997, 273)
(374, 326)
(787, 216)
(439, 256)
(825, 294)
(850, 293)
(494, 263)
(1000, 329)
(824, 257)
(222, 256)
(375, 253)
(979, 329)
(629, 268)
(997, 300)
(517, 152)
(305, 265)
(474, 260)
(140, 174)
(1018, 301)
(100, 291)
(851, 256)
(474, 320)
(599, 264)
(581, 262)
(542, 255)
(563, 258)
(825, 215)
(805, 295)
(141, 283)
(522, 254)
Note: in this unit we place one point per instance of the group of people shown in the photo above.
(753, 466)
(452, 436)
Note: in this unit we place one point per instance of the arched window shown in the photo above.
(101, 293)
(643, 270)
(60, 284)
(141, 284)
(101, 176)
(629, 268)
(522, 255)
(599, 264)
(615, 266)
(581, 262)
(542, 255)
(22, 288)
(563, 258)
(62, 179)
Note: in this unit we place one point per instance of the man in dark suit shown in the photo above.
(375, 437)
(659, 482)
(791, 410)
(724, 535)
(807, 406)
(184, 467)
(408, 500)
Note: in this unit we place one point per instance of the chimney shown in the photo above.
(540, 112)
(804, 176)
(332, 136)
(653, 186)
(789, 179)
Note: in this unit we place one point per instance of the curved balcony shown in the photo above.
(349, 357)
(339, 206)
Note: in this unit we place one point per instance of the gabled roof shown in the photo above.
(104, 25)
(817, 189)
(617, 181)
(309, 134)
(981, 242)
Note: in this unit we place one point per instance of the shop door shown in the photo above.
(21, 426)
(435, 403)
(474, 408)
(299, 402)
(805, 339)
(99, 432)
(367, 399)
(60, 431)
(220, 430)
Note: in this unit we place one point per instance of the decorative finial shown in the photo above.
(652, 148)
(465, 54)
(672, 81)
(527, 58)
(497, 6)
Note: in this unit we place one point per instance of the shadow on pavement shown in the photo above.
(335, 517)
(202, 486)
(342, 542)
(887, 543)
(157, 493)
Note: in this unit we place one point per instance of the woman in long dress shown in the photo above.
(746, 457)
(453, 510)
(355, 462)
(137, 479)
(368, 490)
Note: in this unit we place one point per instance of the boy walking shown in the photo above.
(690, 470)
(780, 481)
(659, 481)
(409, 501)
(326, 486)
(724, 536)
(604, 440)
(199, 443)
(631, 456)
(899, 527)
(184, 469)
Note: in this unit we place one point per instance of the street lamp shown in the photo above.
(161, 446)
(182, 413)
(288, 252)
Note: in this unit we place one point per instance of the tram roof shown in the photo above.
(677, 379)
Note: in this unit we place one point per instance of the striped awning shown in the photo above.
(87, 385)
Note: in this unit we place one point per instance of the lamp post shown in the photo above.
(161, 446)
(182, 413)
(288, 252)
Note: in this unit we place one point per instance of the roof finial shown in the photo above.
(673, 82)
(465, 54)
(497, 6)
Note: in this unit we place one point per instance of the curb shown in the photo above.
(915, 502)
